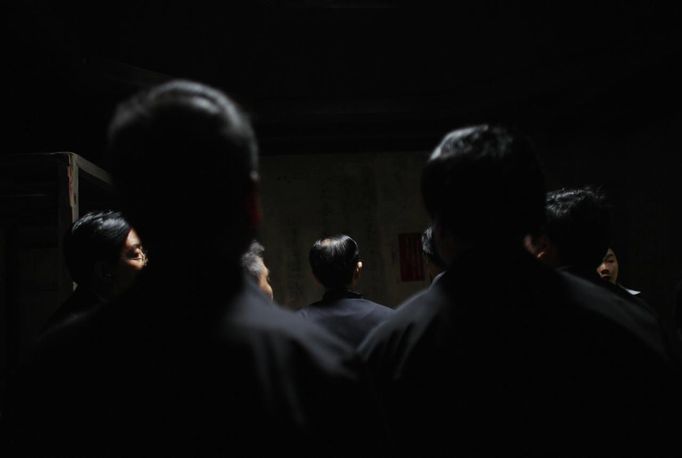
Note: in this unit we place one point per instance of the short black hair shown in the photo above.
(333, 260)
(484, 184)
(95, 237)
(185, 147)
(252, 260)
(429, 248)
(579, 225)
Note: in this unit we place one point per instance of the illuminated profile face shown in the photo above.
(131, 261)
(608, 269)
(264, 280)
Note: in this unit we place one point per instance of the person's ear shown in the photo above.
(542, 248)
(356, 274)
(534, 244)
(550, 255)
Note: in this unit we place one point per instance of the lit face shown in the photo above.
(132, 260)
(264, 281)
(608, 269)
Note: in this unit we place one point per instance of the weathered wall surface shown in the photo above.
(371, 197)
(375, 197)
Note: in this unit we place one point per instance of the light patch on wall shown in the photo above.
(411, 262)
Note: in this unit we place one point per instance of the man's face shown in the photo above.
(264, 281)
(608, 269)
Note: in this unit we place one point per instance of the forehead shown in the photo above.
(133, 239)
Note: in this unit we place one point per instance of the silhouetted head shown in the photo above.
(184, 163)
(254, 266)
(578, 227)
(483, 187)
(335, 261)
(103, 253)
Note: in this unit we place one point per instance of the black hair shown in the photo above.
(484, 184)
(579, 226)
(185, 147)
(95, 237)
(333, 261)
(252, 260)
(429, 249)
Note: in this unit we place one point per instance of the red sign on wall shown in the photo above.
(411, 261)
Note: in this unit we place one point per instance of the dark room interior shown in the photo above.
(347, 99)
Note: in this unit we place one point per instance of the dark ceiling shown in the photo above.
(339, 75)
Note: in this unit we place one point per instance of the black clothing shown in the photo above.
(181, 370)
(635, 309)
(594, 277)
(79, 304)
(536, 362)
(346, 314)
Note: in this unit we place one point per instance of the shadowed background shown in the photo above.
(348, 98)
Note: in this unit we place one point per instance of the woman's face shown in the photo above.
(132, 260)
(608, 269)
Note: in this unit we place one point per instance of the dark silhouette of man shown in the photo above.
(575, 237)
(529, 362)
(194, 360)
(335, 262)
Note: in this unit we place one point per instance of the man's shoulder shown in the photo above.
(603, 307)
(406, 325)
(348, 303)
(311, 309)
(365, 307)
(596, 298)
(375, 305)
(252, 321)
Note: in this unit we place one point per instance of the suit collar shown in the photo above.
(336, 294)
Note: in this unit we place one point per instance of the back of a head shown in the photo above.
(579, 226)
(484, 185)
(333, 261)
(95, 237)
(183, 149)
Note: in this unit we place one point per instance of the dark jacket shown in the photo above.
(346, 314)
(79, 304)
(530, 362)
(173, 370)
(637, 310)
